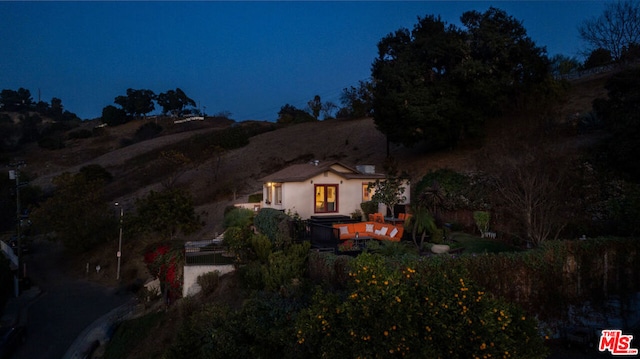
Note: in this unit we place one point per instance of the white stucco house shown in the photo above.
(320, 188)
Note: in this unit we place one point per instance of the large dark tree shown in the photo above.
(166, 213)
(414, 99)
(114, 116)
(357, 102)
(621, 115)
(137, 102)
(504, 65)
(11, 100)
(174, 102)
(437, 83)
(615, 30)
(77, 214)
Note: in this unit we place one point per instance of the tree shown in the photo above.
(178, 163)
(564, 65)
(174, 102)
(357, 102)
(166, 213)
(114, 116)
(77, 213)
(531, 186)
(56, 108)
(598, 57)
(315, 106)
(136, 102)
(18, 101)
(328, 108)
(437, 84)
(617, 28)
(389, 191)
(289, 114)
(621, 115)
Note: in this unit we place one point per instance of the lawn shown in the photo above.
(475, 244)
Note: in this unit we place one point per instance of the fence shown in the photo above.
(208, 252)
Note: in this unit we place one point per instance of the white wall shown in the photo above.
(298, 197)
(192, 272)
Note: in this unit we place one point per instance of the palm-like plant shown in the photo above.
(420, 223)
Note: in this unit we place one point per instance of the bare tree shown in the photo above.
(531, 186)
(615, 30)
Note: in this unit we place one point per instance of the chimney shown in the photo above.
(368, 169)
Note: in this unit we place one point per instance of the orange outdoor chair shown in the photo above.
(401, 216)
(378, 217)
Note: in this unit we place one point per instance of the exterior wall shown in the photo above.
(298, 197)
(191, 274)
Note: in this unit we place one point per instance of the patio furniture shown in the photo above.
(375, 230)
(376, 217)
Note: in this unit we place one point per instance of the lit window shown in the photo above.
(269, 196)
(366, 195)
(326, 198)
(278, 195)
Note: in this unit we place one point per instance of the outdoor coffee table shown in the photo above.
(361, 241)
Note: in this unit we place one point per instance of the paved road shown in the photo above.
(65, 307)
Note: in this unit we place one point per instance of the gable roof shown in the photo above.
(304, 171)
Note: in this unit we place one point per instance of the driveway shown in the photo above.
(65, 307)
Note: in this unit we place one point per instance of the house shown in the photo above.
(320, 188)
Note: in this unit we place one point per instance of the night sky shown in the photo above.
(247, 58)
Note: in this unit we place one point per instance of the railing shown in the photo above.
(210, 252)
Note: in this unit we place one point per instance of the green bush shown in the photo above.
(208, 282)
(482, 219)
(255, 198)
(368, 208)
(272, 223)
(286, 267)
(238, 217)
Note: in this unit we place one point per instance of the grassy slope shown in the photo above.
(219, 182)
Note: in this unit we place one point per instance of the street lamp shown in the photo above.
(119, 254)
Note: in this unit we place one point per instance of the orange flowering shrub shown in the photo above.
(416, 309)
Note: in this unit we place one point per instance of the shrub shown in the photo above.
(208, 282)
(482, 219)
(95, 172)
(238, 217)
(369, 207)
(147, 131)
(255, 198)
(414, 308)
(271, 223)
(53, 142)
(80, 134)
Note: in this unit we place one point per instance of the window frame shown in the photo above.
(325, 187)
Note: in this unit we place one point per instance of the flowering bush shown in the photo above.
(163, 262)
(417, 310)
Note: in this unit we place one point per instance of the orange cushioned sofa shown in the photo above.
(376, 230)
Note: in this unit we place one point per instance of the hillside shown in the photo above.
(223, 180)
(220, 180)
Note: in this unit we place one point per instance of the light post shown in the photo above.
(119, 254)
(15, 175)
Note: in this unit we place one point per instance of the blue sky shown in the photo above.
(247, 58)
